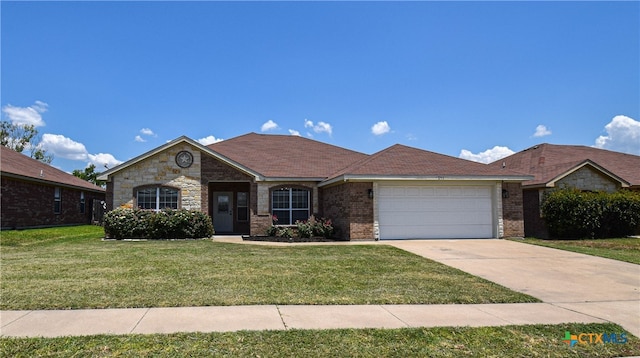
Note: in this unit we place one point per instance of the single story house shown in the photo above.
(397, 193)
(558, 166)
(35, 194)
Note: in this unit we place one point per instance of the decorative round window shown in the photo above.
(184, 159)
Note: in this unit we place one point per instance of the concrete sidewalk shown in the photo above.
(56, 323)
(574, 288)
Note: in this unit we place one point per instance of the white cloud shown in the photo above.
(140, 139)
(31, 115)
(308, 123)
(541, 131)
(294, 132)
(61, 146)
(488, 156)
(321, 127)
(209, 140)
(623, 135)
(269, 125)
(103, 160)
(147, 131)
(380, 128)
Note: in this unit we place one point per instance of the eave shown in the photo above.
(434, 178)
(97, 189)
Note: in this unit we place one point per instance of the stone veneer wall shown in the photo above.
(160, 169)
(512, 210)
(587, 178)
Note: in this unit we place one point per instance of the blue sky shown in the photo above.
(107, 81)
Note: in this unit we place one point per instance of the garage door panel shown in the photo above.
(406, 212)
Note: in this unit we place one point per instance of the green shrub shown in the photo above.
(127, 223)
(314, 227)
(571, 213)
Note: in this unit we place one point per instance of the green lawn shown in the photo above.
(71, 268)
(510, 341)
(622, 249)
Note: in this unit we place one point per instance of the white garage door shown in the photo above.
(434, 212)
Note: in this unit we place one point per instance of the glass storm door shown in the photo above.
(223, 212)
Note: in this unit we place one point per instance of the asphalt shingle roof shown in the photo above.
(400, 160)
(17, 164)
(548, 161)
(286, 156)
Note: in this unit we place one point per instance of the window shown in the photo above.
(242, 205)
(82, 202)
(290, 205)
(57, 200)
(157, 198)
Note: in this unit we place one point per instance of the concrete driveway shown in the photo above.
(599, 287)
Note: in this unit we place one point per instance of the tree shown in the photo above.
(89, 174)
(19, 137)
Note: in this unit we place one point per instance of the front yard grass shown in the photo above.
(509, 341)
(622, 249)
(71, 268)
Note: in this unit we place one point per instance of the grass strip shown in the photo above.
(621, 249)
(508, 341)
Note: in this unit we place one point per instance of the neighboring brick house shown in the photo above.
(35, 194)
(557, 166)
(398, 193)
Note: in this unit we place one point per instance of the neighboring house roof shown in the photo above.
(17, 165)
(550, 162)
(402, 162)
(286, 156)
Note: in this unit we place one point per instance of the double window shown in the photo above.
(157, 198)
(290, 205)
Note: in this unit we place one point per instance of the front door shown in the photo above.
(223, 211)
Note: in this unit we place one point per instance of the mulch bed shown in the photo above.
(292, 240)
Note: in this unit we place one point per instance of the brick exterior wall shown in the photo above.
(213, 170)
(159, 169)
(351, 210)
(31, 204)
(512, 210)
(534, 225)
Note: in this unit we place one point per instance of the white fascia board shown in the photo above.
(361, 178)
(291, 179)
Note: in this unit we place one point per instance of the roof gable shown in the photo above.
(550, 162)
(21, 166)
(286, 156)
(182, 139)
